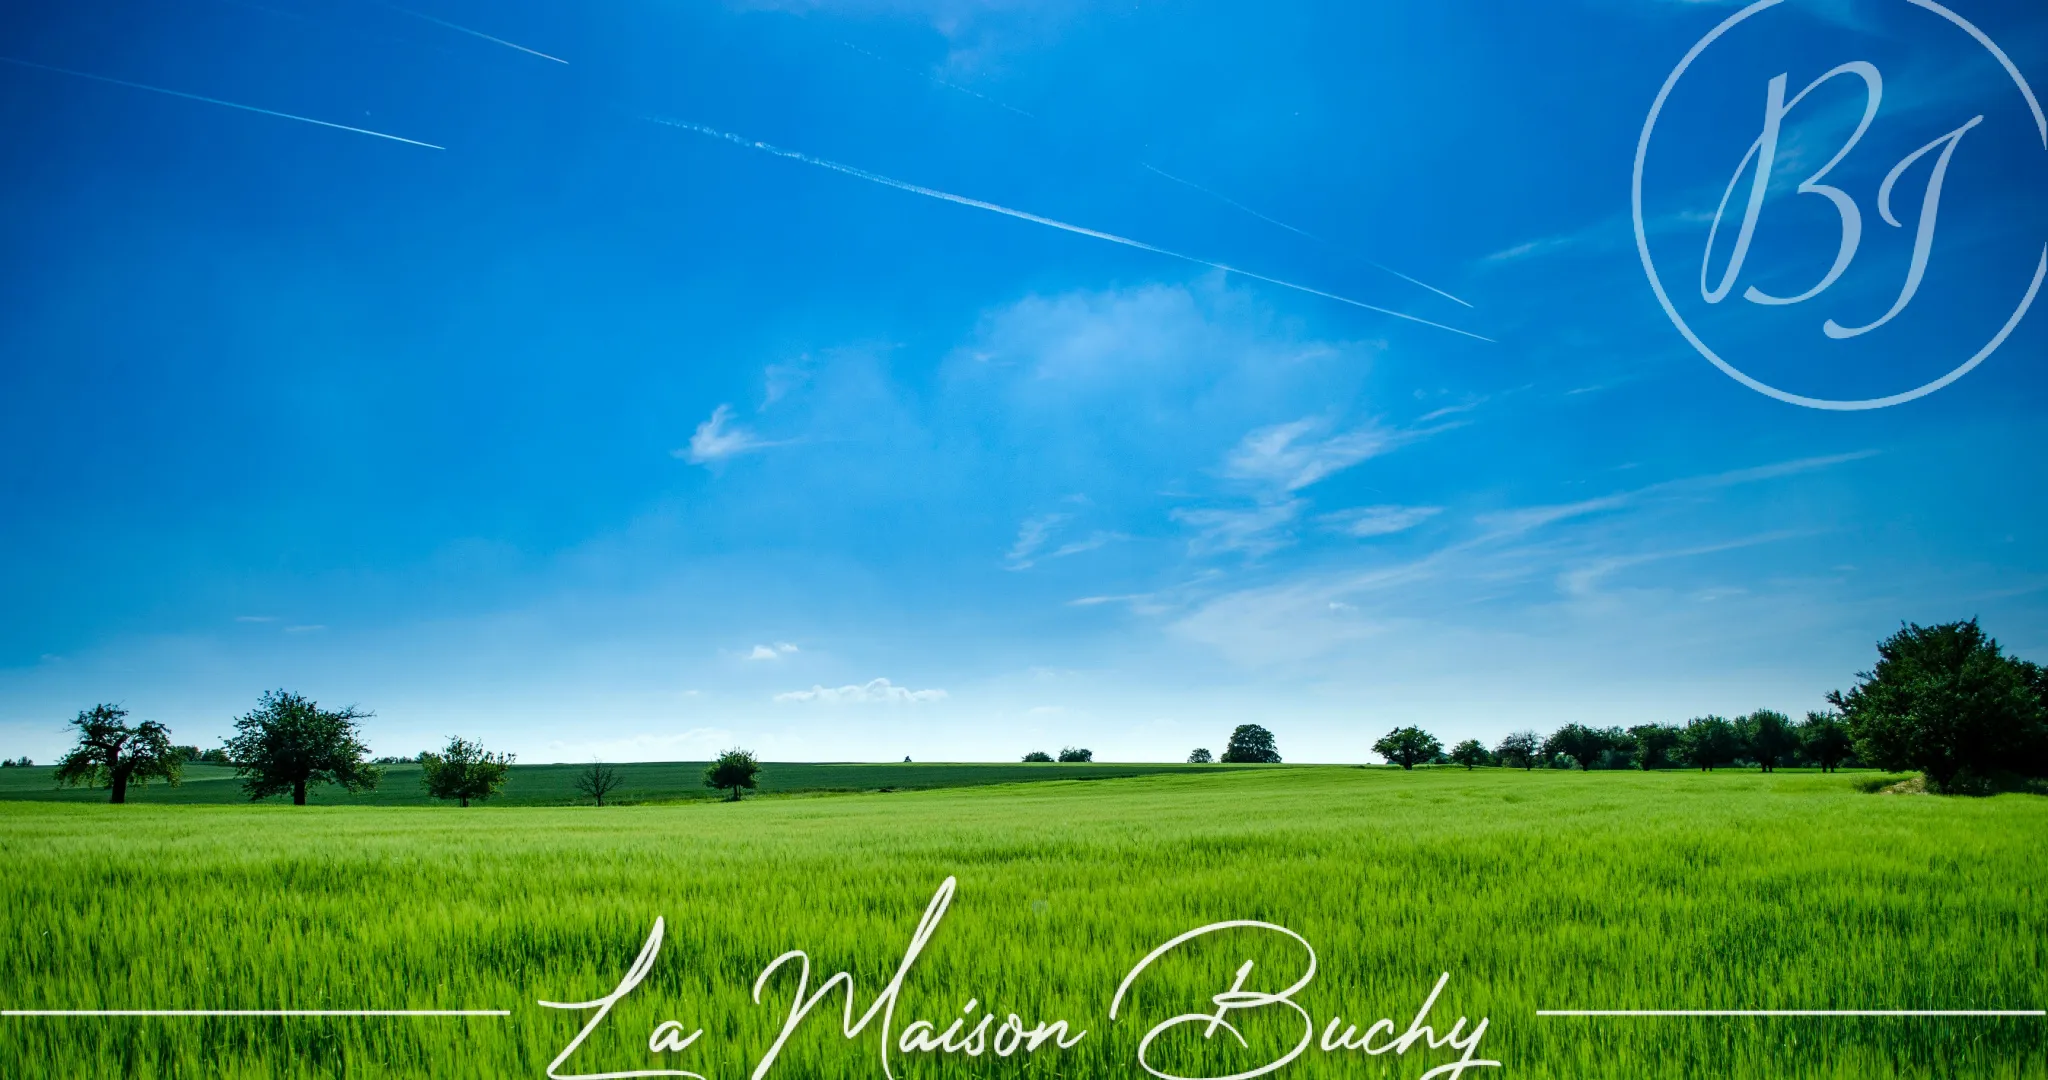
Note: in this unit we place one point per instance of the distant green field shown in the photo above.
(1543, 890)
(640, 782)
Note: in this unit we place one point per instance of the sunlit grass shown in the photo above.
(1533, 890)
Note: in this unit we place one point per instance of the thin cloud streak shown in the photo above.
(472, 33)
(1227, 200)
(1021, 215)
(216, 101)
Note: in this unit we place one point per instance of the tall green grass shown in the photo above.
(1539, 890)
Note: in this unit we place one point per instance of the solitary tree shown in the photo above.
(1521, 749)
(463, 770)
(1251, 744)
(1654, 745)
(1825, 740)
(1407, 747)
(597, 781)
(1768, 736)
(1200, 756)
(1708, 741)
(1946, 701)
(1037, 755)
(1580, 743)
(1076, 754)
(113, 755)
(1471, 753)
(289, 743)
(734, 769)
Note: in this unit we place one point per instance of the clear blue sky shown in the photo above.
(587, 434)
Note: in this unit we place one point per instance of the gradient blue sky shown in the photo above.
(590, 435)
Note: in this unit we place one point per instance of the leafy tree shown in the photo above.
(463, 770)
(1471, 753)
(21, 762)
(597, 781)
(1823, 738)
(1580, 743)
(1522, 749)
(1407, 747)
(1946, 701)
(113, 755)
(1654, 744)
(1038, 755)
(289, 743)
(1251, 744)
(1708, 741)
(734, 769)
(1200, 756)
(1768, 736)
(214, 756)
(1076, 754)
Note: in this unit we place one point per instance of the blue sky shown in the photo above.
(588, 434)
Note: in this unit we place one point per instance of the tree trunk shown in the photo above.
(120, 786)
(298, 793)
(463, 799)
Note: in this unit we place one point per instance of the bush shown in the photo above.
(1038, 755)
(1076, 753)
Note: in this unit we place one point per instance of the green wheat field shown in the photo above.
(1539, 890)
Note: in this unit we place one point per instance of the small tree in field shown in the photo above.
(1407, 747)
(1523, 749)
(289, 743)
(597, 781)
(1471, 753)
(1037, 756)
(1708, 741)
(1200, 756)
(113, 755)
(1654, 745)
(734, 769)
(1251, 744)
(463, 770)
(1768, 736)
(1075, 754)
(1823, 738)
(1580, 743)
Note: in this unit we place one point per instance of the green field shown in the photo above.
(640, 782)
(1542, 890)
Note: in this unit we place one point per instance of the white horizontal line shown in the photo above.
(255, 1012)
(1791, 1012)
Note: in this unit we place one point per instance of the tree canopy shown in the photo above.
(1946, 701)
(1251, 744)
(289, 743)
(734, 769)
(1521, 749)
(1200, 756)
(1654, 745)
(1823, 739)
(1075, 754)
(1407, 747)
(112, 754)
(1584, 745)
(1037, 755)
(1471, 753)
(1767, 737)
(1707, 741)
(463, 770)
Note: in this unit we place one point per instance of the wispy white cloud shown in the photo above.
(1296, 454)
(872, 692)
(1032, 535)
(1258, 531)
(256, 618)
(718, 438)
(1378, 520)
(772, 652)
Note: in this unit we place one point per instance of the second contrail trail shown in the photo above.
(1022, 215)
(216, 101)
(467, 30)
(1214, 194)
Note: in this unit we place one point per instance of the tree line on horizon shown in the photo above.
(1944, 701)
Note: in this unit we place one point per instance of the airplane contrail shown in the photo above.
(467, 30)
(1214, 194)
(217, 101)
(935, 80)
(877, 178)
